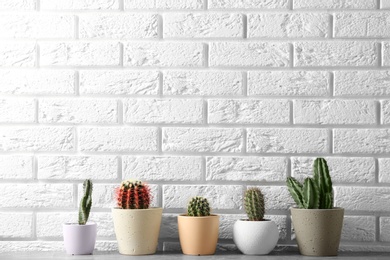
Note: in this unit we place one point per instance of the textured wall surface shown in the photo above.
(197, 97)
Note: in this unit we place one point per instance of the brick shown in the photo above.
(79, 5)
(162, 168)
(243, 111)
(36, 195)
(384, 166)
(164, 4)
(21, 110)
(202, 83)
(287, 140)
(369, 199)
(386, 54)
(203, 25)
(163, 54)
(18, 5)
(362, 83)
(79, 53)
(16, 167)
(384, 225)
(288, 83)
(62, 110)
(149, 111)
(336, 4)
(288, 25)
(77, 167)
(219, 196)
(121, 82)
(17, 54)
(185, 139)
(385, 111)
(16, 225)
(345, 53)
(35, 138)
(118, 26)
(358, 228)
(139, 4)
(248, 168)
(117, 139)
(362, 24)
(333, 111)
(276, 197)
(169, 226)
(361, 140)
(385, 4)
(242, 54)
(248, 4)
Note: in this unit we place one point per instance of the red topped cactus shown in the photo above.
(133, 194)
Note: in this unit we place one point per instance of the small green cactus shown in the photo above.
(86, 202)
(198, 207)
(254, 204)
(133, 194)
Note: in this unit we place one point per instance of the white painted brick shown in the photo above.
(219, 196)
(163, 4)
(242, 54)
(358, 228)
(199, 83)
(79, 53)
(343, 53)
(369, 199)
(36, 138)
(335, 4)
(169, 226)
(117, 139)
(119, 82)
(385, 4)
(386, 53)
(276, 197)
(76, 110)
(342, 169)
(163, 54)
(362, 83)
(243, 111)
(21, 110)
(294, 25)
(36, 195)
(77, 167)
(16, 167)
(334, 112)
(362, 24)
(385, 111)
(249, 168)
(139, 4)
(16, 225)
(79, 4)
(288, 83)
(203, 25)
(36, 26)
(18, 5)
(202, 139)
(179, 111)
(384, 170)
(361, 140)
(17, 54)
(162, 168)
(384, 229)
(118, 26)
(247, 4)
(287, 140)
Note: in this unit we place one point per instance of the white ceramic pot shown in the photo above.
(137, 230)
(255, 237)
(79, 239)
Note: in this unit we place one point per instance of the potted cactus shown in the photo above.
(198, 229)
(80, 238)
(255, 235)
(316, 222)
(137, 226)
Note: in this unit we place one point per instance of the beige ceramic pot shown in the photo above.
(198, 235)
(318, 231)
(137, 230)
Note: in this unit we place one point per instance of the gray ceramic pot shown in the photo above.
(318, 231)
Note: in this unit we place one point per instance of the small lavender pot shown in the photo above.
(79, 239)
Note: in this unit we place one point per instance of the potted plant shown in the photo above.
(137, 226)
(79, 239)
(198, 229)
(255, 235)
(316, 222)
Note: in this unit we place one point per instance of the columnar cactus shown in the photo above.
(254, 204)
(133, 194)
(86, 202)
(198, 207)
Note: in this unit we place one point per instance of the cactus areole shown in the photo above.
(254, 204)
(86, 202)
(198, 207)
(133, 194)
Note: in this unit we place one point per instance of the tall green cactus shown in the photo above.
(86, 202)
(198, 207)
(254, 204)
(324, 183)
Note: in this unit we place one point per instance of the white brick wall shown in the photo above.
(196, 97)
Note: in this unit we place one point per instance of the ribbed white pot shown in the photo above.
(79, 239)
(255, 237)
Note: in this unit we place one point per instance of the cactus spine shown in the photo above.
(254, 204)
(133, 194)
(316, 192)
(86, 202)
(198, 207)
